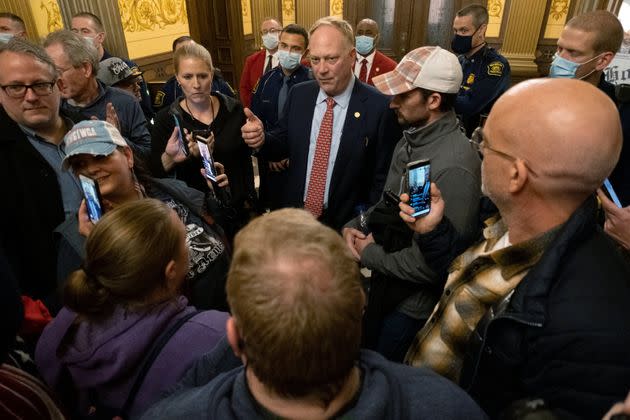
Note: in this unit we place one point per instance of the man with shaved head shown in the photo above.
(370, 62)
(539, 308)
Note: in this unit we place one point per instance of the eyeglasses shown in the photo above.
(271, 31)
(478, 142)
(40, 89)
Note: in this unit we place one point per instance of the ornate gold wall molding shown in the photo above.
(150, 15)
(336, 8)
(246, 9)
(495, 15)
(288, 12)
(557, 17)
(523, 27)
(52, 13)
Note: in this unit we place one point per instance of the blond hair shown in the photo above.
(341, 25)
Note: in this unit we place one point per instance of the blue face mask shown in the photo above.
(289, 60)
(5, 37)
(364, 44)
(270, 41)
(563, 68)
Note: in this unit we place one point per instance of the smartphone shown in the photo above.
(608, 189)
(206, 157)
(419, 182)
(92, 198)
(180, 136)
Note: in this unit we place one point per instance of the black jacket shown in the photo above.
(564, 335)
(31, 209)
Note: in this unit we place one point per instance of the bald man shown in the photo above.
(370, 62)
(539, 308)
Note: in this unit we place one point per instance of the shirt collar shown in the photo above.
(32, 134)
(369, 58)
(343, 99)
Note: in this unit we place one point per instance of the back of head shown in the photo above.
(295, 295)
(570, 135)
(180, 40)
(192, 50)
(478, 13)
(20, 45)
(606, 27)
(341, 25)
(126, 256)
(78, 50)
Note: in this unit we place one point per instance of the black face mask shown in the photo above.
(461, 44)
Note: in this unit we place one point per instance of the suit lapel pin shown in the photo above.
(357, 114)
(378, 69)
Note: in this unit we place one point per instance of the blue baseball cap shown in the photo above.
(91, 137)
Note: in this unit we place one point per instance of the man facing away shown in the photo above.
(486, 72)
(296, 303)
(539, 308)
(260, 62)
(370, 62)
(337, 132)
(37, 195)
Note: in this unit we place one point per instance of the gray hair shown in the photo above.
(342, 26)
(76, 48)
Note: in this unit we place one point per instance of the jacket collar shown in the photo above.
(420, 136)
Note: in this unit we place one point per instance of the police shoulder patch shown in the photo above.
(495, 68)
(159, 99)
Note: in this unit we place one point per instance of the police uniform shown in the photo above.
(172, 90)
(486, 76)
(265, 106)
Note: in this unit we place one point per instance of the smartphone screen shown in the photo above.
(92, 198)
(608, 189)
(180, 136)
(206, 159)
(419, 181)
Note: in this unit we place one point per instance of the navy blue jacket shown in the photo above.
(265, 99)
(486, 76)
(370, 133)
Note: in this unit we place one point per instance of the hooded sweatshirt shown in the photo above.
(388, 391)
(103, 357)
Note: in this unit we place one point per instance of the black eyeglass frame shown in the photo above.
(39, 88)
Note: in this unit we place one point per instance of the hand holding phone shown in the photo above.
(206, 157)
(92, 198)
(610, 192)
(419, 184)
(180, 136)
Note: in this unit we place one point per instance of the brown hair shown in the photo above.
(126, 257)
(294, 292)
(478, 13)
(192, 50)
(606, 27)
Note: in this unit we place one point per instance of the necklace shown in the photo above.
(193, 115)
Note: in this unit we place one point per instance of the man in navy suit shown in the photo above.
(338, 161)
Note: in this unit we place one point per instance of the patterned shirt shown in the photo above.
(479, 278)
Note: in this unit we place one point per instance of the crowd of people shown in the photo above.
(190, 293)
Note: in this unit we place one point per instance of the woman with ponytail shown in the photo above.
(118, 306)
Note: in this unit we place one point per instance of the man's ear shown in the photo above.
(604, 60)
(435, 100)
(234, 337)
(518, 176)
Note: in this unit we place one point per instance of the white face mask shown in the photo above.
(270, 41)
(289, 60)
(90, 41)
(5, 37)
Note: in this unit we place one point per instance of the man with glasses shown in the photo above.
(404, 290)
(36, 194)
(538, 309)
(336, 132)
(262, 61)
(77, 63)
